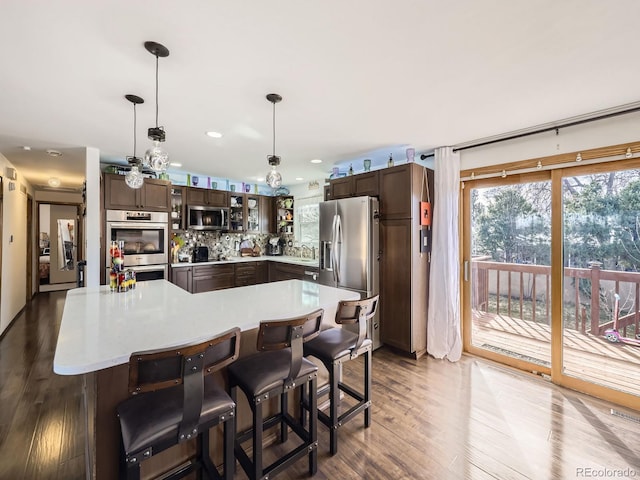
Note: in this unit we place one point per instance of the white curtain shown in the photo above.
(443, 322)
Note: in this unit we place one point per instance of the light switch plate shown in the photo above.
(425, 240)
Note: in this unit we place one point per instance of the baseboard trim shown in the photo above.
(13, 320)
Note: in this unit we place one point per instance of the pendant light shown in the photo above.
(156, 158)
(134, 178)
(274, 179)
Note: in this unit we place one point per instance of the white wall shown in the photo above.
(14, 246)
(303, 190)
(601, 133)
(92, 219)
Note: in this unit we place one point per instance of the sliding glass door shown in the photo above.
(601, 287)
(552, 275)
(508, 271)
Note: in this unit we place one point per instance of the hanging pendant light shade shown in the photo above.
(274, 178)
(156, 157)
(134, 178)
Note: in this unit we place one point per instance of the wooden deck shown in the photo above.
(586, 356)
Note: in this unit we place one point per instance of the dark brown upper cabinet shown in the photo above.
(204, 196)
(401, 189)
(154, 196)
(355, 186)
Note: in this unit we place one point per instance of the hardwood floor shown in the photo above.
(432, 419)
(41, 434)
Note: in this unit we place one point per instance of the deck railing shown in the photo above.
(530, 285)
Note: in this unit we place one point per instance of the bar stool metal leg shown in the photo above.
(367, 389)
(284, 408)
(334, 395)
(313, 425)
(257, 440)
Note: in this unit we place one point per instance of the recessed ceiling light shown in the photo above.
(260, 179)
(175, 164)
(54, 182)
(316, 160)
(214, 134)
(54, 153)
(299, 178)
(26, 147)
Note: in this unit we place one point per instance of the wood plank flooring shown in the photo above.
(432, 419)
(41, 429)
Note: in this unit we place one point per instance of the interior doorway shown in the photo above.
(29, 286)
(59, 242)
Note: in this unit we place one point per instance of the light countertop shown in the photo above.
(307, 262)
(101, 329)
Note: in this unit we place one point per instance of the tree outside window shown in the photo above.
(307, 221)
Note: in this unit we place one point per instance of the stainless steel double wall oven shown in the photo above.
(145, 236)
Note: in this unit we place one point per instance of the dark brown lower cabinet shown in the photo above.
(245, 274)
(288, 271)
(181, 276)
(205, 278)
(403, 287)
(212, 277)
(262, 272)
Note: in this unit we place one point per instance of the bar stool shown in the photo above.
(174, 399)
(335, 346)
(278, 368)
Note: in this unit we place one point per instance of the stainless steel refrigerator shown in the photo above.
(349, 231)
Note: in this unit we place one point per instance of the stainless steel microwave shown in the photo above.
(207, 218)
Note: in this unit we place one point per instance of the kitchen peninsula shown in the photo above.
(101, 329)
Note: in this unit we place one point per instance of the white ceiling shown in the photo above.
(359, 78)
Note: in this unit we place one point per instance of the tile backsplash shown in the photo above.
(223, 245)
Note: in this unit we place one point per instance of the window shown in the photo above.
(307, 219)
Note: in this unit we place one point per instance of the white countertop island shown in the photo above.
(100, 329)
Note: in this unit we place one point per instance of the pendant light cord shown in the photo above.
(156, 91)
(274, 129)
(134, 131)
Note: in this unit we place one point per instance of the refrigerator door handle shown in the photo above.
(332, 258)
(333, 247)
(337, 251)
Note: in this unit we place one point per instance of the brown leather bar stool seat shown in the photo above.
(175, 399)
(335, 346)
(278, 368)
